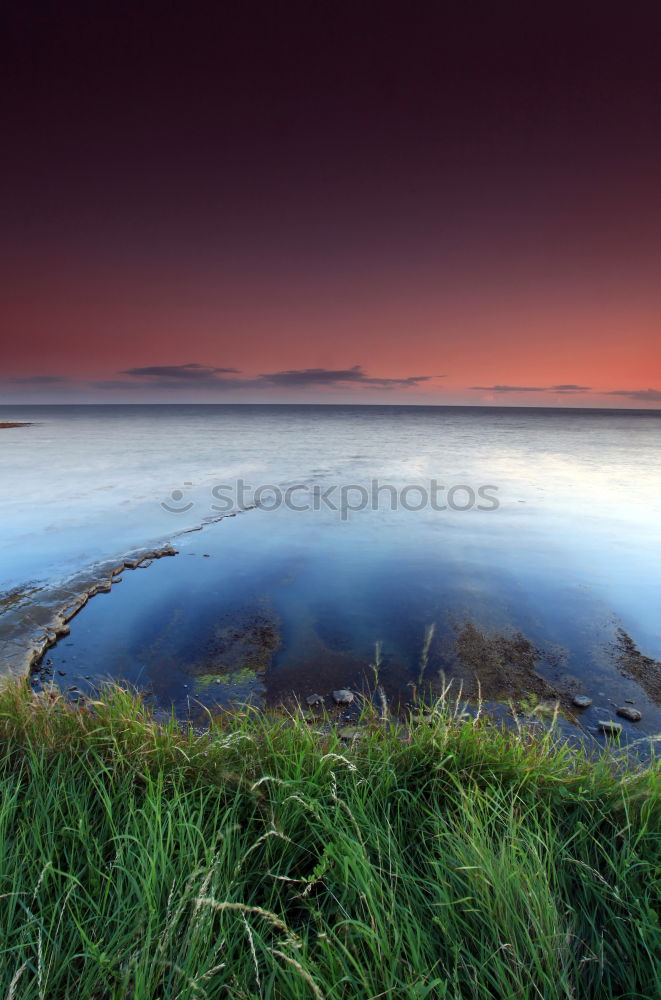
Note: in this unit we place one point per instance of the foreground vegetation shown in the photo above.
(267, 859)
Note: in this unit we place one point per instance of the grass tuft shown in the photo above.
(267, 859)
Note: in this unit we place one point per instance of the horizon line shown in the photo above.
(428, 406)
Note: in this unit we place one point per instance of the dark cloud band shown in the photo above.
(568, 387)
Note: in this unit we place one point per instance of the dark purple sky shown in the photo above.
(331, 202)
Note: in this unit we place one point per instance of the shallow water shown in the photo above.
(294, 601)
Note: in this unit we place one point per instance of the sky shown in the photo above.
(365, 202)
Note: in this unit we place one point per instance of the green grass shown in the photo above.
(266, 859)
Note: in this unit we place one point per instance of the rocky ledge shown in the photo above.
(59, 626)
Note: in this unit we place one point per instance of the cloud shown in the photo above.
(570, 388)
(339, 376)
(507, 388)
(189, 372)
(531, 388)
(196, 376)
(174, 378)
(650, 395)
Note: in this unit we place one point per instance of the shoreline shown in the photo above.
(495, 668)
(95, 579)
(58, 627)
(518, 695)
(497, 671)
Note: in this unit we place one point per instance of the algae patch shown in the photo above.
(247, 641)
(236, 656)
(238, 685)
(634, 664)
(503, 667)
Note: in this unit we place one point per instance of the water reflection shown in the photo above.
(268, 606)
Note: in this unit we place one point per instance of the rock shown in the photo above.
(609, 727)
(632, 714)
(581, 701)
(343, 696)
(314, 699)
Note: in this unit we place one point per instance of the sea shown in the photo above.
(319, 547)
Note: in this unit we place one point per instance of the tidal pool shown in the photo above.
(273, 606)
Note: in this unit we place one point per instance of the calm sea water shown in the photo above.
(553, 529)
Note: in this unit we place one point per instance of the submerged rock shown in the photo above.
(632, 714)
(581, 701)
(343, 696)
(314, 699)
(609, 727)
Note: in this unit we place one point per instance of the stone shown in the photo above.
(343, 696)
(314, 699)
(609, 727)
(631, 714)
(581, 701)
